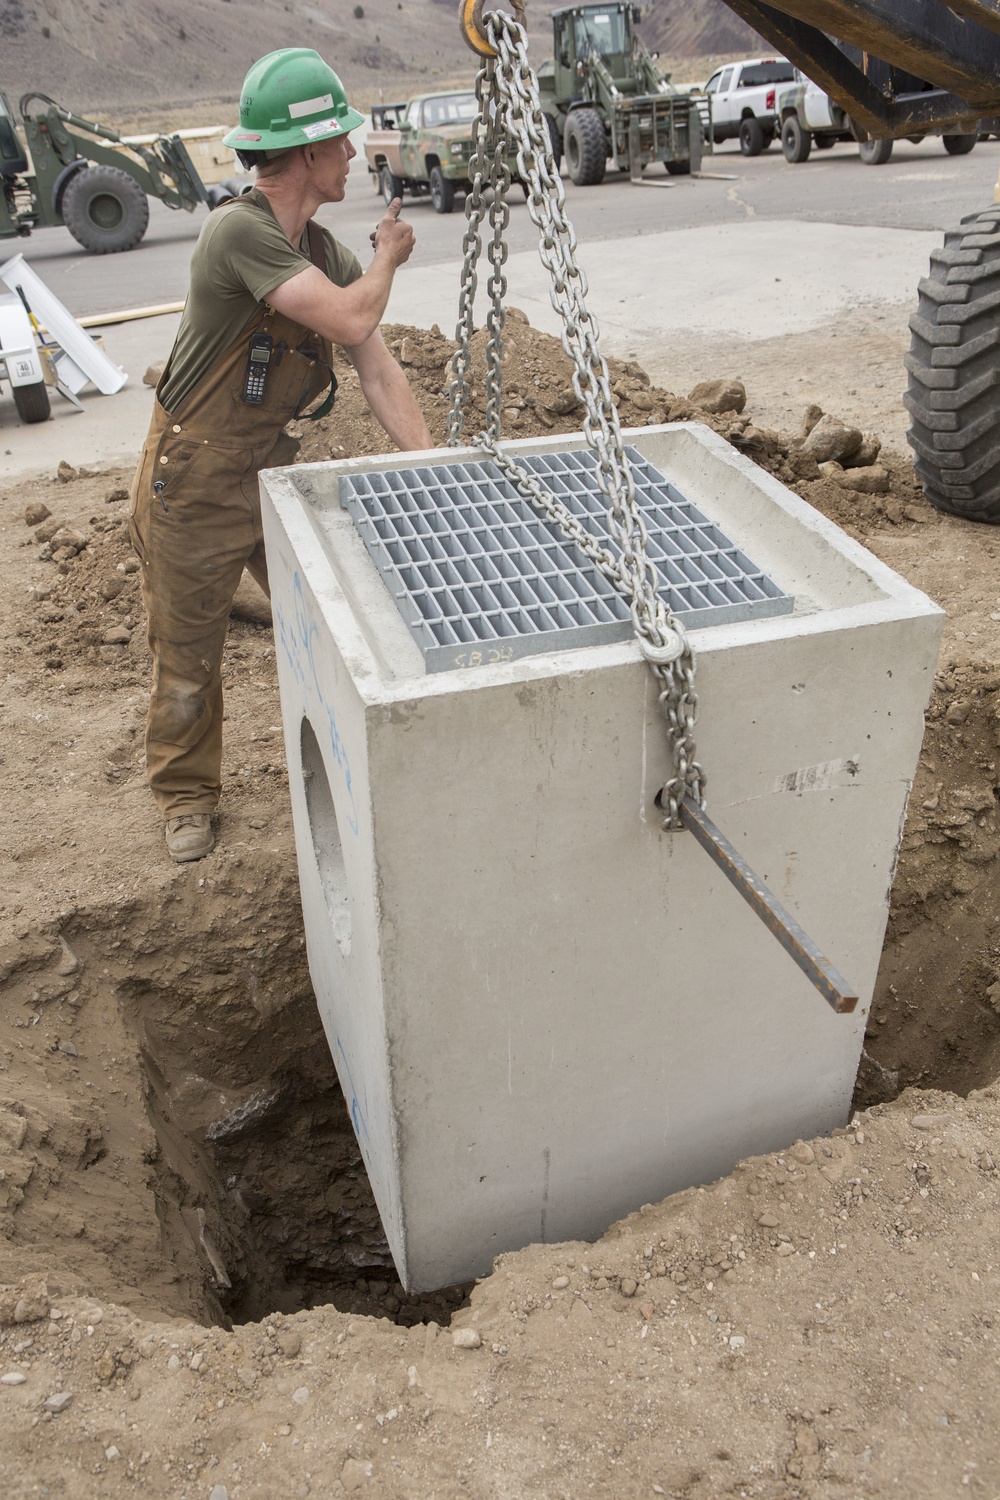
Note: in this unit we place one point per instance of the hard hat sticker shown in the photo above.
(310, 106)
(247, 135)
(320, 128)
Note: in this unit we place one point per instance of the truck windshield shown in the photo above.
(602, 30)
(450, 109)
(769, 72)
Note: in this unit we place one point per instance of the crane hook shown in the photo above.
(470, 20)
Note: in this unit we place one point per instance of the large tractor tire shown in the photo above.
(875, 153)
(953, 395)
(555, 140)
(105, 210)
(586, 147)
(32, 401)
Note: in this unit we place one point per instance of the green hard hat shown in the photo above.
(290, 98)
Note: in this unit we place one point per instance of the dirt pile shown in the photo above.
(176, 1158)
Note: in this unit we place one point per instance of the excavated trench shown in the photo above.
(192, 1151)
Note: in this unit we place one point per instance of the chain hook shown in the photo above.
(472, 24)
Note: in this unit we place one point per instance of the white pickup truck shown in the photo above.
(743, 101)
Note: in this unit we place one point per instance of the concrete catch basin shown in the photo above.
(543, 1009)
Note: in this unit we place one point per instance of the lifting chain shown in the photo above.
(510, 124)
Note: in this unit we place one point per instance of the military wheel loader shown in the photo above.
(605, 100)
(902, 69)
(61, 169)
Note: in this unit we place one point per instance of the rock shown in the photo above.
(718, 396)
(930, 1122)
(117, 636)
(803, 465)
(870, 481)
(767, 1221)
(252, 604)
(35, 513)
(647, 1309)
(289, 1342)
(154, 373)
(112, 587)
(301, 1396)
(47, 530)
(785, 1249)
(14, 1378)
(869, 451)
(737, 1341)
(58, 1402)
(629, 1288)
(218, 1491)
(66, 472)
(560, 1283)
(354, 1473)
(112, 1453)
(831, 439)
(174, 1363)
(247, 1375)
(810, 417)
(68, 962)
(26, 1302)
(69, 1049)
(803, 1153)
(67, 539)
(117, 495)
(13, 1128)
(466, 1338)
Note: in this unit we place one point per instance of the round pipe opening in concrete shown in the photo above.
(326, 837)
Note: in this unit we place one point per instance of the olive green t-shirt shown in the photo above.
(242, 254)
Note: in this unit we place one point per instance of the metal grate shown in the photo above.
(480, 576)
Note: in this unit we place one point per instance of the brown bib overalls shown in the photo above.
(195, 524)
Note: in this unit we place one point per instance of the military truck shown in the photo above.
(606, 101)
(424, 146)
(67, 170)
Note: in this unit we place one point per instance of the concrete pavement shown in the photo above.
(749, 281)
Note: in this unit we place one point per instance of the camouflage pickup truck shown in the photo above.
(423, 147)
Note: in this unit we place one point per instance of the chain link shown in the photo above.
(510, 123)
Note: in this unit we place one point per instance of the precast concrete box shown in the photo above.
(545, 1010)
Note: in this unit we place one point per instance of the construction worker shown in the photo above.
(270, 292)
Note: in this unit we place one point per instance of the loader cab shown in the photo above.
(13, 160)
(582, 29)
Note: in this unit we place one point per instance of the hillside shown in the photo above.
(127, 57)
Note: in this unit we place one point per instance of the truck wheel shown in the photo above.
(875, 153)
(959, 145)
(442, 192)
(586, 147)
(32, 402)
(391, 185)
(678, 168)
(796, 143)
(824, 142)
(105, 210)
(751, 136)
(953, 395)
(555, 140)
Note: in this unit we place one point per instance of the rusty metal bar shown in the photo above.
(797, 943)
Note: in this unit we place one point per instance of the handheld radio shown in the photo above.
(258, 364)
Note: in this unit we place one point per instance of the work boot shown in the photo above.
(190, 836)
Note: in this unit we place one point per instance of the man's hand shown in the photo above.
(393, 236)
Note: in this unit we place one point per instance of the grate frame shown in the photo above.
(479, 576)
